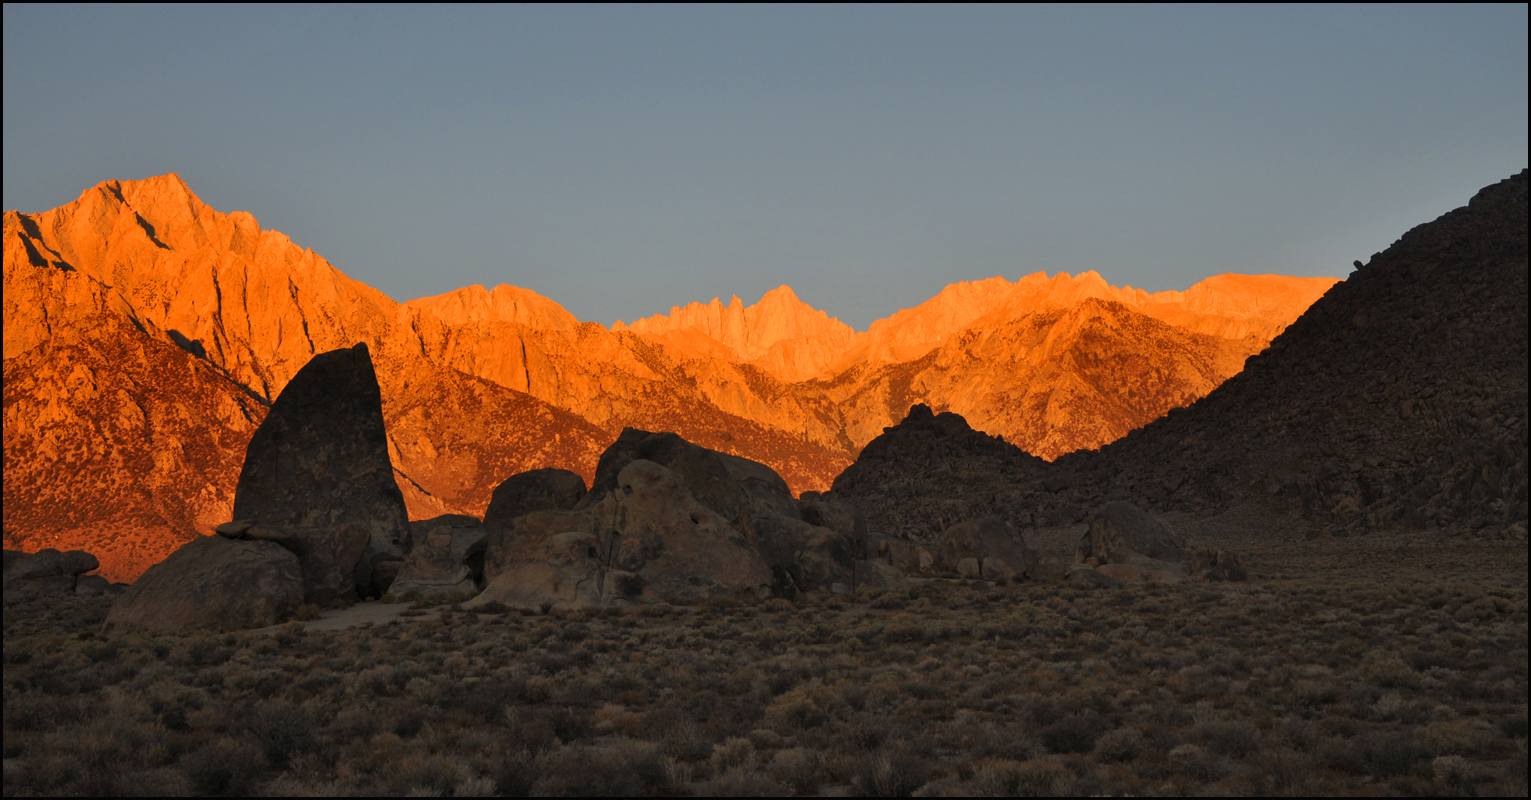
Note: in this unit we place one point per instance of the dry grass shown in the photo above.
(1410, 683)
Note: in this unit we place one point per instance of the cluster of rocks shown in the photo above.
(1125, 543)
(51, 571)
(320, 516)
(1397, 401)
(322, 522)
(665, 519)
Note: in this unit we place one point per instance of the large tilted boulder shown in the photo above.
(649, 539)
(317, 471)
(1121, 531)
(990, 548)
(212, 582)
(1125, 543)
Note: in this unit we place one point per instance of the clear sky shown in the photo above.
(623, 160)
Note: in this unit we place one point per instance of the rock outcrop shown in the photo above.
(988, 548)
(436, 568)
(49, 571)
(754, 499)
(649, 539)
(213, 582)
(318, 469)
(535, 490)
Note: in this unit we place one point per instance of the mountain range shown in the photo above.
(1396, 402)
(146, 335)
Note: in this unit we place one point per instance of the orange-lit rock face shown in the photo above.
(781, 334)
(191, 315)
(119, 444)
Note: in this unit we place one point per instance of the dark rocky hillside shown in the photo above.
(1397, 401)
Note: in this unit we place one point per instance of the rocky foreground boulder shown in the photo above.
(212, 582)
(649, 539)
(988, 548)
(818, 552)
(50, 570)
(1125, 543)
(437, 565)
(318, 471)
(665, 518)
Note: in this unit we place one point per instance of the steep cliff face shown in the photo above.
(480, 383)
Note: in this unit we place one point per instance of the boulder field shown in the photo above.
(322, 523)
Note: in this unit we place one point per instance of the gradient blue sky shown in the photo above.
(623, 160)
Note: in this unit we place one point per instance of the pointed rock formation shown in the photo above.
(318, 467)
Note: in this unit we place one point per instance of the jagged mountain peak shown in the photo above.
(780, 333)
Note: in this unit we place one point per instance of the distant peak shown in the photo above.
(782, 292)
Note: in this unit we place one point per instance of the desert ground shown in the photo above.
(1383, 664)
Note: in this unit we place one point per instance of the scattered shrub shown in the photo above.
(951, 690)
(891, 773)
(1072, 734)
(1122, 744)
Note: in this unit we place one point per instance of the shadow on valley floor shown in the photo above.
(1378, 664)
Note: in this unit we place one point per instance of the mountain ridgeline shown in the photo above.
(1397, 401)
(147, 334)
